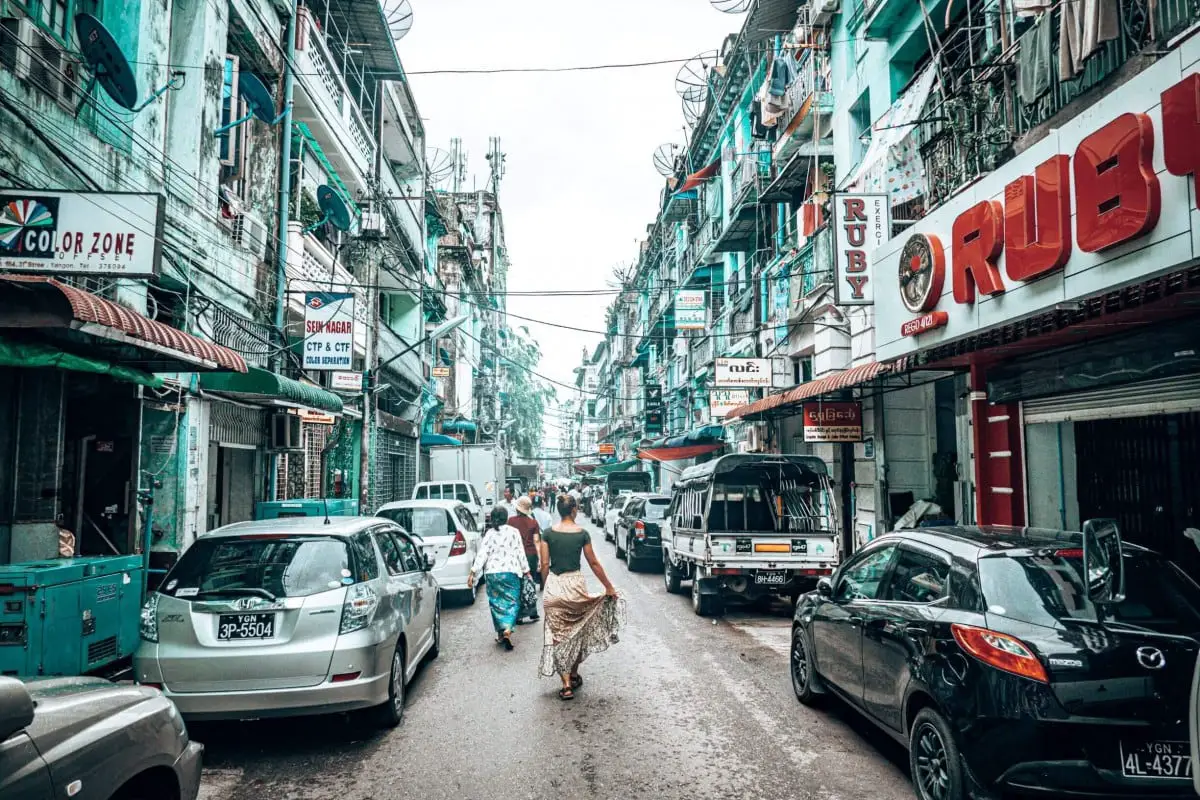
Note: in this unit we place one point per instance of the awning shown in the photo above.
(35, 354)
(439, 440)
(46, 308)
(827, 385)
(679, 453)
(264, 385)
(616, 466)
(460, 425)
(700, 176)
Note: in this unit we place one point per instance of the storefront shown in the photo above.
(1064, 285)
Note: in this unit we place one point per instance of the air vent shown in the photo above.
(103, 650)
(250, 234)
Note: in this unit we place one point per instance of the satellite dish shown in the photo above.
(691, 82)
(732, 6)
(258, 102)
(110, 68)
(693, 110)
(399, 15)
(333, 208)
(439, 165)
(664, 159)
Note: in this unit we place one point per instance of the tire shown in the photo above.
(705, 605)
(671, 578)
(389, 713)
(617, 544)
(630, 561)
(435, 649)
(933, 758)
(806, 683)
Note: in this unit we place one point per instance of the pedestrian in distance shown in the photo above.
(508, 500)
(577, 623)
(531, 535)
(541, 515)
(502, 560)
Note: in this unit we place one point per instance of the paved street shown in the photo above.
(680, 708)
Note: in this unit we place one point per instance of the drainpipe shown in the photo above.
(285, 191)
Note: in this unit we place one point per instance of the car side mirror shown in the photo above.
(1103, 563)
(825, 587)
(428, 562)
(16, 707)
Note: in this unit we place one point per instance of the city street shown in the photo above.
(682, 707)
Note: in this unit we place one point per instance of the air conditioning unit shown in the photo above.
(823, 10)
(250, 234)
(286, 432)
(39, 61)
(756, 438)
(373, 225)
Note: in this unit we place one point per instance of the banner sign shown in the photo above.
(722, 401)
(691, 310)
(328, 330)
(653, 395)
(608, 449)
(441, 372)
(861, 223)
(346, 381)
(81, 233)
(750, 373)
(833, 422)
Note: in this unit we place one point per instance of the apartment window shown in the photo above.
(860, 127)
(231, 145)
(802, 370)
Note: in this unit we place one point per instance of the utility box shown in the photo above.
(318, 507)
(69, 616)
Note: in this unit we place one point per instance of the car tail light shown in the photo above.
(359, 608)
(1000, 651)
(344, 677)
(1070, 552)
(149, 626)
(727, 571)
(639, 530)
(459, 547)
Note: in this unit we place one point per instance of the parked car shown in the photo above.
(638, 530)
(86, 737)
(612, 509)
(462, 491)
(292, 616)
(448, 532)
(986, 653)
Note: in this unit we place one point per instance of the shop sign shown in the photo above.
(652, 392)
(653, 421)
(691, 310)
(861, 223)
(750, 373)
(608, 449)
(316, 417)
(833, 422)
(441, 372)
(328, 330)
(346, 381)
(1082, 211)
(722, 401)
(81, 233)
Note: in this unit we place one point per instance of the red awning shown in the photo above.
(699, 177)
(679, 453)
(44, 304)
(827, 385)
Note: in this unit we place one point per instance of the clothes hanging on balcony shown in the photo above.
(1033, 61)
(758, 128)
(783, 72)
(1086, 24)
(1031, 8)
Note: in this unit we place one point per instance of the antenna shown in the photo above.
(732, 6)
(110, 68)
(458, 157)
(258, 100)
(495, 159)
(399, 15)
(691, 82)
(334, 209)
(665, 158)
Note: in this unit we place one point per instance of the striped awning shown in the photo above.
(836, 382)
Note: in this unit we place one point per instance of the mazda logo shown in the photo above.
(1151, 657)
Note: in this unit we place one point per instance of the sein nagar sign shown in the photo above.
(861, 222)
(81, 233)
(328, 330)
(742, 372)
(691, 310)
(833, 422)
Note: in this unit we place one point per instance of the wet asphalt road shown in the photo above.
(680, 708)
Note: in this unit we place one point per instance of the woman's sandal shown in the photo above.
(506, 642)
(576, 681)
(566, 694)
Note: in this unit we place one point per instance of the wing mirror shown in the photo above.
(428, 559)
(825, 587)
(1103, 564)
(16, 707)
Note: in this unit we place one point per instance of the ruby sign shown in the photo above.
(833, 422)
(861, 222)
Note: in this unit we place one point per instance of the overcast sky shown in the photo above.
(580, 186)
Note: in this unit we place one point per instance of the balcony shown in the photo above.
(702, 354)
(312, 268)
(325, 104)
(749, 175)
(881, 16)
(809, 108)
(408, 365)
(811, 270)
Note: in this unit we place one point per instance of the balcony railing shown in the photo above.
(748, 173)
(702, 354)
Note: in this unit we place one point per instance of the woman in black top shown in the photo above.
(577, 623)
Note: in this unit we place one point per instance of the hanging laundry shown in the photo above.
(1086, 24)
(783, 70)
(1031, 8)
(1033, 61)
(758, 130)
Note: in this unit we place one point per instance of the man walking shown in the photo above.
(530, 532)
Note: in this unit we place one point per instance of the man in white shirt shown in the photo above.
(541, 514)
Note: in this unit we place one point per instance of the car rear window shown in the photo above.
(657, 509)
(1047, 588)
(423, 522)
(284, 566)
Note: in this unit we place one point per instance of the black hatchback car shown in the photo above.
(980, 651)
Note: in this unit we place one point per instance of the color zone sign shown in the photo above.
(328, 330)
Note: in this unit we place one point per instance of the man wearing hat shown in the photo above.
(530, 532)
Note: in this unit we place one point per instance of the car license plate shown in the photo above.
(1156, 760)
(245, 626)
(770, 578)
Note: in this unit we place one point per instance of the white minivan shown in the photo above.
(462, 491)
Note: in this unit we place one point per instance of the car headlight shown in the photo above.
(149, 626)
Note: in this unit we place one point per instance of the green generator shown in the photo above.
(69, 616)
(313, 507)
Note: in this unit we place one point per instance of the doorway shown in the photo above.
(231, 482)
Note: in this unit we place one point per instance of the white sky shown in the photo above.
(580, 186)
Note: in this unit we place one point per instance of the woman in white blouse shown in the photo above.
(502, 559)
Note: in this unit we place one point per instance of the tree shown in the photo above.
(525, 397)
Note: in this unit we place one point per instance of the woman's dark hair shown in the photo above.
(566, 506)
(497, 517)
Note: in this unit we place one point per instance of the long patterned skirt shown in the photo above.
(577, 623)
(504, 598)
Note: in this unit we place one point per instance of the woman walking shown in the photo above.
(502, 559)
(577, 623)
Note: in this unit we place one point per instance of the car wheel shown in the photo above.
(671, 578)
(617, 544)
(435, 649)
(630, 560)
(933, 757)
(705, 605)
(806, 683)
(389, 713)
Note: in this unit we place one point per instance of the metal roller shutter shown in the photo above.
(1166, 396)
(237, 426)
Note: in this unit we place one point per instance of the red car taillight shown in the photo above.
(1000, 651)
(639, 528)
(459, 547)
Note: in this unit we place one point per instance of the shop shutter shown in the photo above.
(1148, 398)
(237, 426)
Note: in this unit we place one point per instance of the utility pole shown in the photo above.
(373, 257)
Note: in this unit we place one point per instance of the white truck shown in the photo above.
(481, 465)
(750, 526)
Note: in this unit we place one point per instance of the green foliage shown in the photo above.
(526, 397)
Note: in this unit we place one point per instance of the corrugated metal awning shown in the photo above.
(827, 385)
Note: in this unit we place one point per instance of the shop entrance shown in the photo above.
(1142, 471)
(230, 485)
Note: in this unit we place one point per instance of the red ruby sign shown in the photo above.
(833, 422)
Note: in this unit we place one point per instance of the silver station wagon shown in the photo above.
(292, 616)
